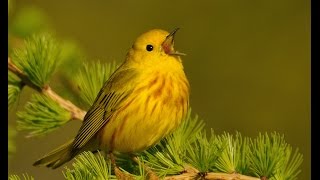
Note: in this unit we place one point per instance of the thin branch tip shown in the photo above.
(76, 112)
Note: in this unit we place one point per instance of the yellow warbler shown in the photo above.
(144, 100)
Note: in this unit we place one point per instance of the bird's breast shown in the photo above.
(155, 108)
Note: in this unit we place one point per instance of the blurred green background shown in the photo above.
(248, 62)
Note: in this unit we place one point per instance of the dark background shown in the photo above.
(248, 62)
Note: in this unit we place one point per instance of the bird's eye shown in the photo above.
(149, 47)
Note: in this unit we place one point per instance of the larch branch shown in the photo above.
(192, 173)
(75, 111)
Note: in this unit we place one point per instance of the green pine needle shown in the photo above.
(204, 152)
(288, 169)
(243, 149)
(161, 162)
(186, 132)
(25, 177)
(91, 78)
(168, 156)
(233, 158)
(267, 152)
(42, 115)
(89, 166)
(14, 88)
(142, 172)
(13, 93)
(13, 79)
(38, 59)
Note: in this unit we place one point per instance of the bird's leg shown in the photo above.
(119, 174)
(150, 174)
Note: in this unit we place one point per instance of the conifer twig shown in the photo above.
(192, 173)
(24, 78)
(76, 112)
(225, 176)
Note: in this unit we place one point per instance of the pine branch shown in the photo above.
(189, 154)
(90, 166)
(76, 112)
(185, 154)
(195, 174)
(24, 78)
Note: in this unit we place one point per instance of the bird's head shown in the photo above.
(155, 45)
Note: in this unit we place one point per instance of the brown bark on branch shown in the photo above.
(192, 173)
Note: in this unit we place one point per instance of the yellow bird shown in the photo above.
(145, 99)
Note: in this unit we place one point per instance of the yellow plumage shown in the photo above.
(144, 100)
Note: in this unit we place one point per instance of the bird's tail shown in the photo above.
(57, 157)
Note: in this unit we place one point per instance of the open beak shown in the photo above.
(168, 44)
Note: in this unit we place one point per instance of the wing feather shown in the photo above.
(115, 91)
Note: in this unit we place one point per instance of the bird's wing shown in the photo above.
(116, 90)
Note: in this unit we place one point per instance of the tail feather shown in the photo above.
(57, 157)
